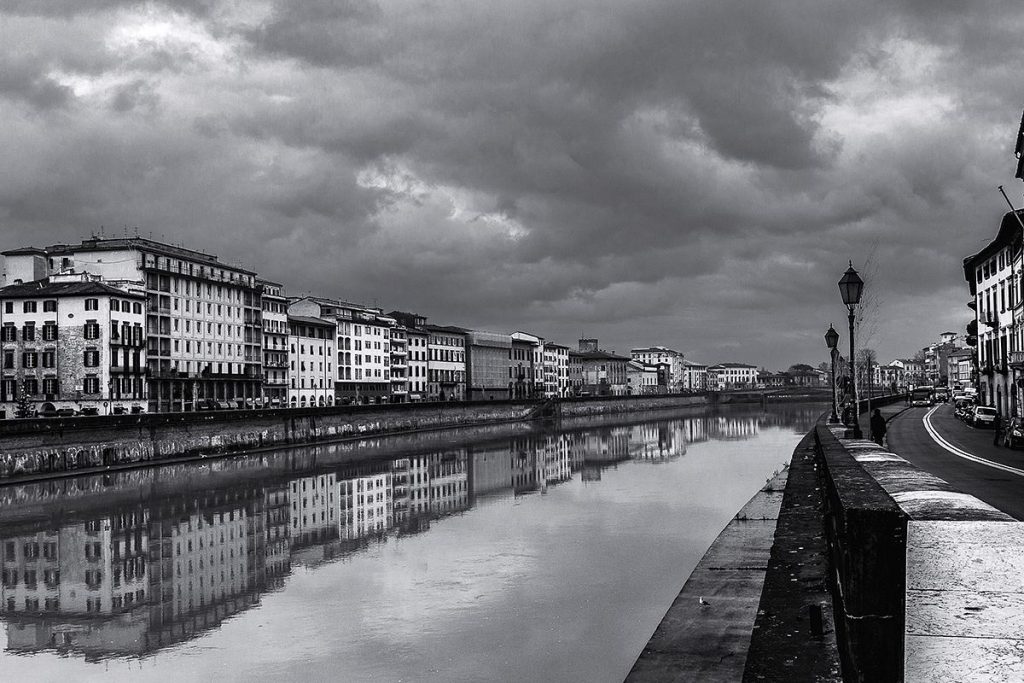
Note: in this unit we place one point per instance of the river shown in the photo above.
(541, 554)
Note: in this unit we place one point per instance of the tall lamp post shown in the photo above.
(832, 341)
(850, 288)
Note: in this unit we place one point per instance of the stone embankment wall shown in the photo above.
(921, 588)
(42, 446)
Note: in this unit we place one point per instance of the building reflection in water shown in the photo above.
(130, 579)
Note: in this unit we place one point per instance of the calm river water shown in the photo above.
(511, 553)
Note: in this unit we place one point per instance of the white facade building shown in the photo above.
(275, 345)
(641, 378)
(659, 355)
(71, 342)
(203, 318)
(731, 376)
(446, 363)
(310, 362)
(695, 376)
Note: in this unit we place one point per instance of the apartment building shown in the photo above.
(731, 376)
(417, 341)
(660, 355)
(203, 319)
(994, 278)
(363, 347)
(446, 363)
(604, 374)
(695, 376)
(275, 344)
(311, 369)
(527, 365)
(556, 370)
(72, 342)
(642, 378)
(399, 362)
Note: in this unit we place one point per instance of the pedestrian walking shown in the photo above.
(877, 427)
(997, 427)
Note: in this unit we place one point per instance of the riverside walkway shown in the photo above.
(919, 543)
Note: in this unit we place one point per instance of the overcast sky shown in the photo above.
(688, 173)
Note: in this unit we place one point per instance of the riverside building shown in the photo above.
(310, 362)
(203, 319)
(399, 363)
(446, 363)
(695, 376)
(994, 278)
(527, 365)
(363, 360)
(72, 342)
(731, 376)
(556, 370)
(659, 355)
(488, 365)
(417, 342)
(275, 345)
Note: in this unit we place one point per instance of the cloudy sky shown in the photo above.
(692, 173)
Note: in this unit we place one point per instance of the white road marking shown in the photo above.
(962, 453)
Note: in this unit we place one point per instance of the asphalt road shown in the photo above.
(909, 438)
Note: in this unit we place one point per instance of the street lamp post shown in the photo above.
(832, 340)
(850, 288)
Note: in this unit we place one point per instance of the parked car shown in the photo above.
(1014, 435)
(983, 416)
(89, 410)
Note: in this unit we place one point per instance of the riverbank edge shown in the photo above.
(765, 579)
(706, 632)
(58, 453)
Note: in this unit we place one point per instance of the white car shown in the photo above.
(983, 416)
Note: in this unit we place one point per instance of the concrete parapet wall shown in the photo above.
(885, 518)
(866, 531)
(41, 446)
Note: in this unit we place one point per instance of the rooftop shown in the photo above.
(45, 288)
(310, 321)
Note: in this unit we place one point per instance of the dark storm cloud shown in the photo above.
(694, 174)
(23, 81)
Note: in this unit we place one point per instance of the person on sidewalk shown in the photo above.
(877, 427)
(997, 428)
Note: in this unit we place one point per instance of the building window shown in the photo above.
(92, 304)
(28, 333)
(8, 333)
(49, 332)
(92, 330)
(50, 385)
(29, 307)
(29, 359)
(91, 385)
(49, 359)
(8, 307)
(92, 358)
(115, 305)
(31, 386)
(50, 306)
